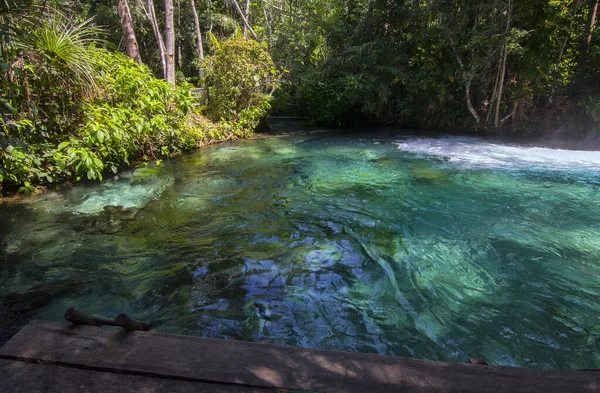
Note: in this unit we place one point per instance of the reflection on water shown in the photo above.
(432, 248)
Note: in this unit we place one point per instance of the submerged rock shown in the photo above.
(263, 309)
(120, 213)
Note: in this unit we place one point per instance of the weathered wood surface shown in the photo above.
(21, 377)
(267, 365)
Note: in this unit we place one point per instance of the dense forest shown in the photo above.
(90, 86)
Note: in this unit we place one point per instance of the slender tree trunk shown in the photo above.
(500, 85)
(591, 23)
(210, 16)
(151, 15)
(178, 39)
(179, 56)
(468, 77)
(169, 42)
(586, 39)
(246, 24)
(198, 37)
(512, 113)
(503, 58)
(494, 96)
(131, 44)
(246, 15)
(469, 103)
(268, 22)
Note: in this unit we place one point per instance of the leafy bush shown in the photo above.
(132, 116)
(49, 70)
(137, 115)
(48, 74)
(332, 100)
(71, 110)
(241, 77)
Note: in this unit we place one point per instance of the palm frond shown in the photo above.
(214, 42)
(60, 41)
(15, 8)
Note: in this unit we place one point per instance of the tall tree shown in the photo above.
(503, 57)
(166, 46)
(246, 15)
(198, 36)
(169, 42)
(131, 44)
(151, 15)
(245, 19)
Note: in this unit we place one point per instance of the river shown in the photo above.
(440, 248)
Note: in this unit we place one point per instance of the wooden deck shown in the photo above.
(57, 357)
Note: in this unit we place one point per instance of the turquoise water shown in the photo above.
(439, 248)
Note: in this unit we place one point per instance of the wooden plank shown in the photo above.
(268, 365)
(21, 377)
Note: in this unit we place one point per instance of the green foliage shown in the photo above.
(410, 62)
(132, 116)
(241, 77)
(47, 72)
(71, 109)
(332, 100)
(61, 45)
(137, 115)
(74, 111)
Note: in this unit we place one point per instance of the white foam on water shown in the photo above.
(133, 190)
(128, 196)
(480, 153)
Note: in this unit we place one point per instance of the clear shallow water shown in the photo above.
(437, 248)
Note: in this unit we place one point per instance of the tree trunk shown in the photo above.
(246, 15)
(268, 22)
(586, 39)
(179, 56)
(469, 103)
(178, 38)
(210, 16)
(169, 42)
(151, 15)
(131, 44)
(198, 37)
(468, 77)
(246, 24)
(492, 102)
(503, 58)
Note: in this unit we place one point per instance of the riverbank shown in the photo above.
(560, 139)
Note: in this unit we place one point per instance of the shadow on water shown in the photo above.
(324, 241)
